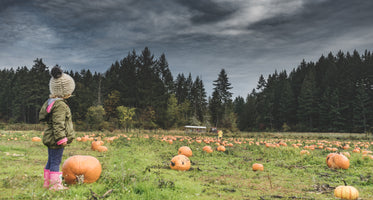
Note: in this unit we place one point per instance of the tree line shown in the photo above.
(334, 94)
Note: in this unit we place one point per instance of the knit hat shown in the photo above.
(61, 84)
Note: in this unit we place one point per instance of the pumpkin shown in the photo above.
(346, 192)
(221, 148)
(186, 151)
(81, 169)
(364, 152)
(257, 166)
(36, 139)
(101, 149)
(85, 138)
(304, 152)
(180, 162)
(95, 144)
(208, 149)
(337, 161)
(356, 150)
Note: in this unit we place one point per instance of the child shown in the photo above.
(59, 132)
(220, 134)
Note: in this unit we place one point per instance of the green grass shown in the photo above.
(139, 169)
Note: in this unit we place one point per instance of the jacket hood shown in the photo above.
(47, 108)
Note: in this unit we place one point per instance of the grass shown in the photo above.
(139, 169)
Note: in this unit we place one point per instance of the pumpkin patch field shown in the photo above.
(175, 165)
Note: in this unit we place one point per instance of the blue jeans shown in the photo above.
(54, 159)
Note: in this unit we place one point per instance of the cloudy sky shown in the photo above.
(245, 37)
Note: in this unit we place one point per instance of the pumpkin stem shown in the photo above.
(344, 182)
(80, 179)
(172, 163)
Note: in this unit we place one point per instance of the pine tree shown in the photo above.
(215, 108)
(39, 90)
(221, 105)
(146, 78)
(129, 93)
(286, 107)
(6, 95)
(307, 108)
(361, 107)
(198, 99)
(261, 83)
(164, 72)
(222, 86)
(181, 91)
(21, 90)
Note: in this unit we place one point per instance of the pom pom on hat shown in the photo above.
(60, 84)
(56, 72)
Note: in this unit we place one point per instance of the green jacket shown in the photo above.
(56, 113)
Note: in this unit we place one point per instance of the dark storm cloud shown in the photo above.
(208, 11)
(246, 37)
(322, 20)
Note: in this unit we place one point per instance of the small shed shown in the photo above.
(196, 129)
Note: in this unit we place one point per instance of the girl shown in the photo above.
(59, 132)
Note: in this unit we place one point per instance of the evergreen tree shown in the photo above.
(198, 99)
(307, 109)
(222, 86)
(221, 105)
(129, 66)
(21, 90)
(239, 109)
(261, 83)
(181, 90)
(361, 110)
(164, 73)
(6, 95)
(39, 91)
(215, 108)
(286, 104)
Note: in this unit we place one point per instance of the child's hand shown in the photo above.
(64, 144)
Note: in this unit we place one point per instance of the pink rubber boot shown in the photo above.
(55, 181)
(46, 178)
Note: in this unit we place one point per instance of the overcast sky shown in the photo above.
(245, 37)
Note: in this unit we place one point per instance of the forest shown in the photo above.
(332, 94)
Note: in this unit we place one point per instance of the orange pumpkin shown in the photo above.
(346, 192)
(85, 138)
(257, 166)
(186, 151)
(337, 161)
(101, 149)
(208, 149)
(36, 139)
(221, 148)
(180, 162)
(356, 150)
(81, 169)
(95, 144)
(304, 152)
(365, 152)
